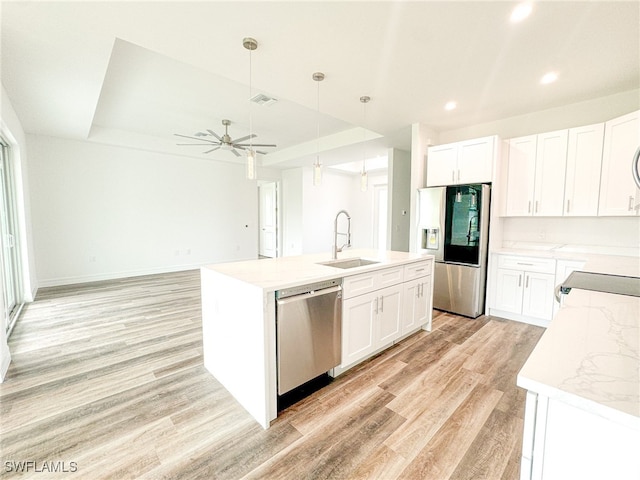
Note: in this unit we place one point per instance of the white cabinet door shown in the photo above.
(441, 165)
(475, 160)
(521, 166)
(618, 192)
(537, 299)
(389, 304)
(550, 169)
(358, 321)
(584, 164)
(417, 304)
(509, 290)
(469, 161)
(423, 308)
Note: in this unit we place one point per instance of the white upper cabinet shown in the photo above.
(584, 162)
(470, 161)
(535, 174)
(521, 168)
(551, 164)
(618, 192)
(442, 164)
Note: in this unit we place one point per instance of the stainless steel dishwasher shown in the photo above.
(308, 332)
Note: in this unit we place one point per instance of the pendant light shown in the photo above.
(317, 166)
(364, 180)
(250, 44)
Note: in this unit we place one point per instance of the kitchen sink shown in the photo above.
(349, 263)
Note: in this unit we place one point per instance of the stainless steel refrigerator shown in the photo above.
(454, 227)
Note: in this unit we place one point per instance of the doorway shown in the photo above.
(9, 257)
(380, 209)
(268, 219)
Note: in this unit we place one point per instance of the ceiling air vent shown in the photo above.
(262, 99)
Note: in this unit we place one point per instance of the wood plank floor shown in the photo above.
(107, 379)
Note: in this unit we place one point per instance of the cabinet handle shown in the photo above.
(526, 284)
(420, 289)
(568, 205)
(630, 203)
(522, 263)
(520, 280)
(453, 175)
(536, 206)
(376, 309)
(458, 174)
(529, 207)
(381, 303)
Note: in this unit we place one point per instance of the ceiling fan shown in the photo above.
(224, 142)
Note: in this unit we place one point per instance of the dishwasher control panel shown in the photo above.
(302, 289)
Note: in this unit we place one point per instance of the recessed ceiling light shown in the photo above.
(548, 78)
(450, 105)
(520, 12)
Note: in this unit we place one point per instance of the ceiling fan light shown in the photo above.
(251, 165)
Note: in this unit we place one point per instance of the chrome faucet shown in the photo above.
(335, 249)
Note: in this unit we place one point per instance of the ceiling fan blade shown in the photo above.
(256, 145)
(212, 150)
(246, 137)
(200, 139)
(196, 144)
(260, 152)
(214, 134)
(235, 152)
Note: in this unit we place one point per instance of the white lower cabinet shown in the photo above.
(380, 307)
(417, 305)
(563, 441)
(524, 289)
(370, 322)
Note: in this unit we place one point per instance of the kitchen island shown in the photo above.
(582, 415)
(239, 316)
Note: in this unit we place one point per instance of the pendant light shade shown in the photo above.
(317, 166)
(250, 44)
(364, 178)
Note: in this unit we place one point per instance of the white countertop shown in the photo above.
(284, 272)
(589, 356)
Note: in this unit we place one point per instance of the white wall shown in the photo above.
(309, 211)
(621, 232)
(292, 212)
(106, 212)
(573, 115)
(399, 199)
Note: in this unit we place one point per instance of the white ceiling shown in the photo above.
(135, 73)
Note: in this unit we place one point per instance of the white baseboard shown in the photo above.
(492, 312)
(55, 282)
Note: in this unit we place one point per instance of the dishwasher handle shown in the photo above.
(313, 293)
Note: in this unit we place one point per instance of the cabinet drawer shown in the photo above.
(368, 282)
(417, 270)
(530, 264)
(390, 276)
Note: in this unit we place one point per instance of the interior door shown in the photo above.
(268, 220)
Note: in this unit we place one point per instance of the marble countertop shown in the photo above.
(284, 272)
(589, 355)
